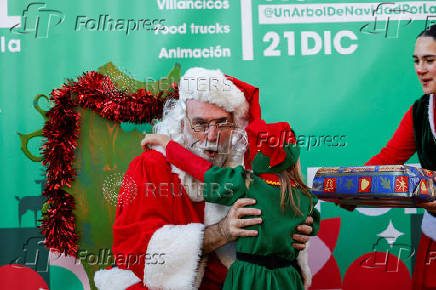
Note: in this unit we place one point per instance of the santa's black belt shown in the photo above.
(269, 261)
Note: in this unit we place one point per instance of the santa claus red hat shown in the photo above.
(251, 94)
(226, 92)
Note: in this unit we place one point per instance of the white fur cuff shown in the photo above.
(429, 226)
(179, 248)
(115, 279)
(213, 213)
(213, 87)
(303, 261)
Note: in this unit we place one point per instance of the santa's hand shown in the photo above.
(155, 139)
(231, 226)
(302, 237)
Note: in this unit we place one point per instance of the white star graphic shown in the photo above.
(391, 234)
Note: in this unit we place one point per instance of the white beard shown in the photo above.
(194, 187)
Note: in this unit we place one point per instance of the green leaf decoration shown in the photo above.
(102, 158)
(124, 81)
(25, 138)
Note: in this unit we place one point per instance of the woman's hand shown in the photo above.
(155, 139)
(348, 207)
(429, 206)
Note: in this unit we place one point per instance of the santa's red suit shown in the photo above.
(416, 133)
(162, 231)
(158, 231)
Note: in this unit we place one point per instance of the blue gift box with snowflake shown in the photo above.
(375, 186)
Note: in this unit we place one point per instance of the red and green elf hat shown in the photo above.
(272, 147)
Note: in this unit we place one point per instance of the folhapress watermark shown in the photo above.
(105, 22)
(38, 20)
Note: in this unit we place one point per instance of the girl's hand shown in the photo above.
(155, 139)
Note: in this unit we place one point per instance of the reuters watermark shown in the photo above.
(165, 189)
(192, 83)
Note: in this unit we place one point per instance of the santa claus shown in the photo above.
(167, 237)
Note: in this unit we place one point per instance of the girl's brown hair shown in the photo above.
(290, 179)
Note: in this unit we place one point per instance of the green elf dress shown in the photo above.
(268, 260)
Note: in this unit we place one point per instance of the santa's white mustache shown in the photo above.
(208, 147)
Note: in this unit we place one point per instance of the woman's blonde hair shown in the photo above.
(290, 179)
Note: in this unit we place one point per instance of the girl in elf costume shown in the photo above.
(267, 261)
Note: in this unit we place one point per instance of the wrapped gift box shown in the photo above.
(375, 186)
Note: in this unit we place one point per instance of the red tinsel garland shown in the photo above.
(96, 92)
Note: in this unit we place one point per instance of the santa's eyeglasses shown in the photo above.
(201, 126)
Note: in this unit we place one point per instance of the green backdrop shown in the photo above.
(339, 70)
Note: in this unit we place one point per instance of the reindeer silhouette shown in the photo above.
(29, 203)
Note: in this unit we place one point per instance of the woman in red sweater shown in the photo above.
(416, 133)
